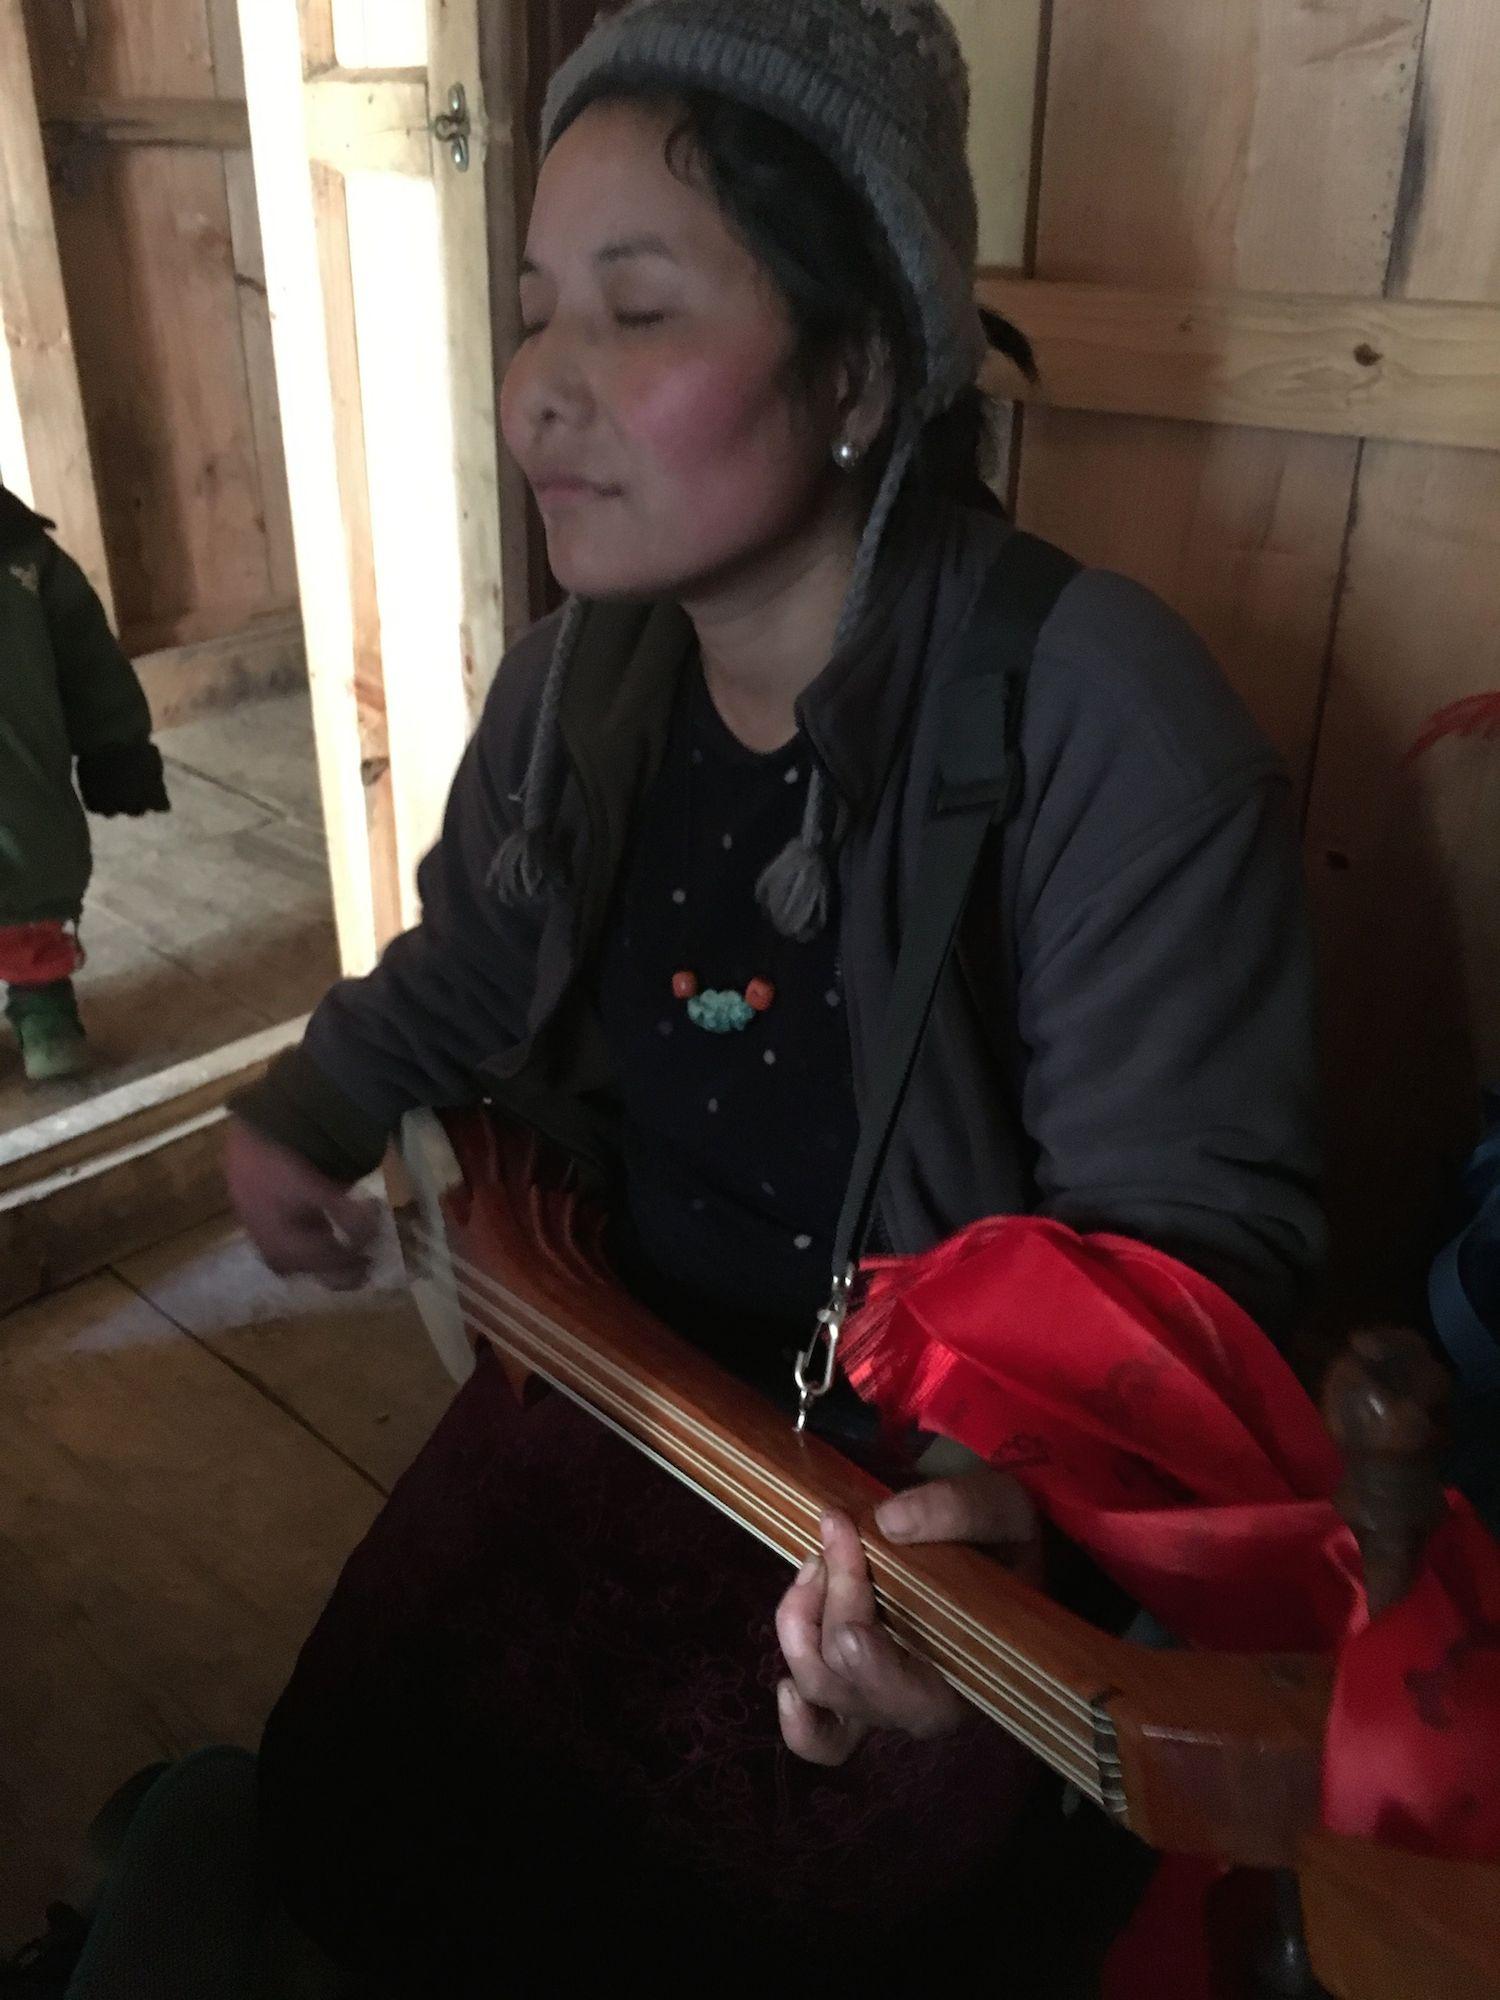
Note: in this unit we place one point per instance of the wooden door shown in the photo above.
(373, 154)
(44, 445)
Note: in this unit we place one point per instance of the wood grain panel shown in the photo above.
(1408, 370)
(149, 267)
(255, 314)
(44, 444)
(218, 123)
(217, 675)
(1403, 842)
(1251, 144)
(224, 48)
(162, 268)
(1242, 532)
(1248, 145)
(122, 48)
(249, 260)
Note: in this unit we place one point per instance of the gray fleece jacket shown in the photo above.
(1124, 1039)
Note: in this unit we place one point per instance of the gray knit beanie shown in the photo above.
(881, 88)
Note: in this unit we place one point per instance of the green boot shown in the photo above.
(45, 1018)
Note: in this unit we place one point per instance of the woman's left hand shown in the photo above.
(847, 1674)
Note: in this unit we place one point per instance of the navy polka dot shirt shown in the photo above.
(738, 1141)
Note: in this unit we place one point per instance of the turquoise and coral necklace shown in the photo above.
(720, 1010)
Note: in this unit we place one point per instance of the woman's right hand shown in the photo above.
(300, 1221)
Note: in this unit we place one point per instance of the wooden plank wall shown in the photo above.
(44, 443)
(1350, 587)
(1404, 845)
(143, 107)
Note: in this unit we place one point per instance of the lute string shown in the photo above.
(1067, 1752)
(1070, 1749)
(632, 1392)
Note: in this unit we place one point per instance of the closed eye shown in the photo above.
(634, 319)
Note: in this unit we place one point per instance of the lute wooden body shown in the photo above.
(1206, 1754)
(1201, 1754)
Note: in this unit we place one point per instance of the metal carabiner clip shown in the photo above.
(822, 1351)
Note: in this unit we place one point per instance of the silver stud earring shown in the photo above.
(846, 455)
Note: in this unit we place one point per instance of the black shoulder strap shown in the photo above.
(978, 786)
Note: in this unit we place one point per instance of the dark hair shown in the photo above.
(822, 248)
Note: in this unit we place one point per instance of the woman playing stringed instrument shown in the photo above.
(553, 1718)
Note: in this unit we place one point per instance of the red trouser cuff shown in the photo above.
(38, 954)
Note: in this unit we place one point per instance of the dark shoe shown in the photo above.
(42, 1969)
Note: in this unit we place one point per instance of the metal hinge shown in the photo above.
(452, 128)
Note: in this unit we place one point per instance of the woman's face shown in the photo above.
(651, 403)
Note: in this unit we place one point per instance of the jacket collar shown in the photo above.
(613, 715)
(621, 683)
(858, 713)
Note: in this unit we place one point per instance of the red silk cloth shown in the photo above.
(1157, 1426)
(37, 954)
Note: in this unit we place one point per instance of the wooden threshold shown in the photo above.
(93, 1183)
(266, 657)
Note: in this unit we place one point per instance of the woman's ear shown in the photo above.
(866, 391)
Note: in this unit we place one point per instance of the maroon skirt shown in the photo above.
(534, 1735)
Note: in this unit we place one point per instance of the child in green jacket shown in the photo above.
(66, 692)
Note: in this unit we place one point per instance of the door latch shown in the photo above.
(452, 128)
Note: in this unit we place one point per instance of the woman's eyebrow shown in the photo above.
(614, 253)
(634, 246)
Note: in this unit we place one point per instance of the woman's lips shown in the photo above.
(564, 492)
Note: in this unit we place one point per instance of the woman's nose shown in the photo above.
(553, 386)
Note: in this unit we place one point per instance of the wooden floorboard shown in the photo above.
(357, 1368)
(262, 750)
(72, 1727)
(174, 1508)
